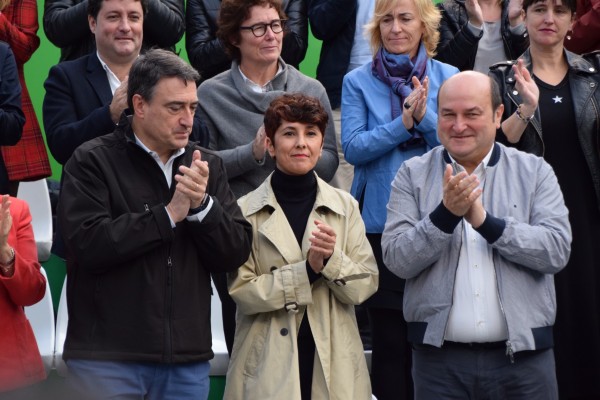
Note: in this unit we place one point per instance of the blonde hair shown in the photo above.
(427, 12)
(4, 4)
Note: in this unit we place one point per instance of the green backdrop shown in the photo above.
(36, 71)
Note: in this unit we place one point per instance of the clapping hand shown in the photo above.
(515, 12)
(322, 243)
(5, 220)
(415, 104)
(191, 187)
(460, 191)
(527, 87)
(474, 13)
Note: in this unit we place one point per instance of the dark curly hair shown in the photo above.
(231, 16)
(295, 107)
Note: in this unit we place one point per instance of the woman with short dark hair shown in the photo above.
(296, 335)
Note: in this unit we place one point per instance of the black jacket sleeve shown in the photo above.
(457, 45)
(205, 51)
(295, 41)
(330, 17)
(66, 22)
(164, 23)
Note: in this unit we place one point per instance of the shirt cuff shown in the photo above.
(200, 216)
(262, 161)
(475, 30)
(170, 219)
(518, 30)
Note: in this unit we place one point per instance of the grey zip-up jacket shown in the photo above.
(527, 226)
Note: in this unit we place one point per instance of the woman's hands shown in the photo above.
(322, 244)
(526, 87)
(515, 12)
(415, 104)
(259, 146)
(7, 253)
(474, 13)
(5, 222)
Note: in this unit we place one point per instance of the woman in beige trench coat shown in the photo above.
(310, 264)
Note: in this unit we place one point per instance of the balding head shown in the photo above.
(475, 78)
(468, 115)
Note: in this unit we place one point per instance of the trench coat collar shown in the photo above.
(265, 197)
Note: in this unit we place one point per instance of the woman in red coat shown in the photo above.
(21, 284)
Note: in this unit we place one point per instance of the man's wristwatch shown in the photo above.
(201, 207)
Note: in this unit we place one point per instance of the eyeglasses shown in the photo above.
(259, 30)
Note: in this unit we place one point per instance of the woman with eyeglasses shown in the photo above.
(206, 51)
(233, 103)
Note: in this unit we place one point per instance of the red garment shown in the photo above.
(20, 361)
(28, 159)
(585, 35)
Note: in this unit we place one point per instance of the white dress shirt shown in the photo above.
(476, 314)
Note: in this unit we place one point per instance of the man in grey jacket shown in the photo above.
(478, 230)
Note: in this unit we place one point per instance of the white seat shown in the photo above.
(36, 195)
(218, 365)
(62, 320)
(41, 318)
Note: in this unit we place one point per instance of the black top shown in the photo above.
(577, 327)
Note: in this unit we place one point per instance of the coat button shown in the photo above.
(593, 84)
(515, 92)
(273, 268)
(592, 69)
(283, 331)
(509, 79)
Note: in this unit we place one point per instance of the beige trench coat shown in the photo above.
(272, 293)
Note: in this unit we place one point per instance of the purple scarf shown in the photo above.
(396, 71)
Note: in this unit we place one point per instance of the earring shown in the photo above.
(569, 35)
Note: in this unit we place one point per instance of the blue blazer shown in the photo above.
(76, 107)
(12, 118)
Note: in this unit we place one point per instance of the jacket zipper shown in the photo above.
(509, 350)
(168, 306)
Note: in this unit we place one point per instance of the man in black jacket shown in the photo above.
(146, 217)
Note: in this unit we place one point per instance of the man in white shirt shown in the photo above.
(86, 97)
(478, 230)
(146, 217)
